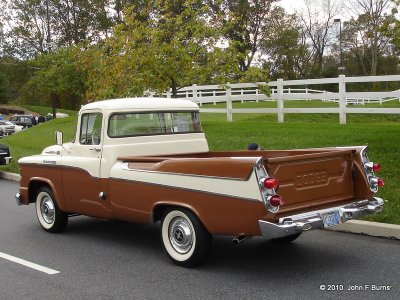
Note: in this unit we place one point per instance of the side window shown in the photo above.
(90, 133)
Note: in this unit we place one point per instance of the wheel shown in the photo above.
(50, 217)
(184, 237)
(286, 239)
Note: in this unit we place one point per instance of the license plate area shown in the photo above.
(331, 218)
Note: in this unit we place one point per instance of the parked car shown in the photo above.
(7, 127)
(5, 157)
(18, 128)
(58, 116)
(26, 121)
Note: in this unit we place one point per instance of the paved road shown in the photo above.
(106, 260)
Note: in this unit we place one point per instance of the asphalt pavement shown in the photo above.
(98, 259)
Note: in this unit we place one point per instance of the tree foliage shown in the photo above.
(58, 73)
(78, 51)
(368, 29)
(285, 46)
(164, 45)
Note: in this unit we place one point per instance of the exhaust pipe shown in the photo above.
(240, 239)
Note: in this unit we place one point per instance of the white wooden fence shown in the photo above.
(281, 90)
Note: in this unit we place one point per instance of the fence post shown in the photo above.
(228, 103)
(194, 95)
(257, 94)
(279, 87)
(169, 93)
(342, 99)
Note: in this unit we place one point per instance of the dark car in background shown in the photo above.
(26, 121)
(5, 157)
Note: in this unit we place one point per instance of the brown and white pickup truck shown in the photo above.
(146, 160)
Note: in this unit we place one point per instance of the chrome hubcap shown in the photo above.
(181, 235)
(47, 210)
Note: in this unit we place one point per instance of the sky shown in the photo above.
(291, 5)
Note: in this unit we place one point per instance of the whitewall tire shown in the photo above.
(184, 237)
(50, 217)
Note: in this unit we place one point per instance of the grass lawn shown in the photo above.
(380, 132)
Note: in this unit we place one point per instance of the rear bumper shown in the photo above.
(314, 220)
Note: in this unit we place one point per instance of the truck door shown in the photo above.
(81, 172)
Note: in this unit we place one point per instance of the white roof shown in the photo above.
(144, 103)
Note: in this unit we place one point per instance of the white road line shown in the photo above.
(28, 264)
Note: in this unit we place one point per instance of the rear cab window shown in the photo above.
(128, 124)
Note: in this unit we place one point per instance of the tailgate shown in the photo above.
(313, 180)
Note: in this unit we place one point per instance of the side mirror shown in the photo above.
(59, 138)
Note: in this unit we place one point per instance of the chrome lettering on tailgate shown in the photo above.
(311, 179)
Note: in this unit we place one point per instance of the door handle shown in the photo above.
(95, 149)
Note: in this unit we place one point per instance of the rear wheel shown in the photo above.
(286, 239)
(184, 237)
(50, 217)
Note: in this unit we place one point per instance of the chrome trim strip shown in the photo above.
(314, 220)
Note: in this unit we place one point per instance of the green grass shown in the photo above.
(45, 110)
(33, 140)
(380, 132)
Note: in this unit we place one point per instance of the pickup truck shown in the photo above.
(146, 160)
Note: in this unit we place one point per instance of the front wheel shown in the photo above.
(50, 217)
(184, 237)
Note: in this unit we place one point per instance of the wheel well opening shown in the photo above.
(34, 187)
(158, 212)
(160, 209)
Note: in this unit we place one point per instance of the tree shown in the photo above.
(39, 26)
(58, 73)
(285, 46)
(3, 88)
(81, 20)
(164, 45)
(372, 16)
(317, 21)
(245, 25)
(392, 30)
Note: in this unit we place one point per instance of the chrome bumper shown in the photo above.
(313, 220)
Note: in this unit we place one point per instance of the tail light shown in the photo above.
(275, 200)
(381, 182)
(270, 183)
(370, 166)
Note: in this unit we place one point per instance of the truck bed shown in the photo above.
(310, 179)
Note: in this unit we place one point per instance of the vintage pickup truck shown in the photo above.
(146, 160)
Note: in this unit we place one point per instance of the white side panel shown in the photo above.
(230, 187)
